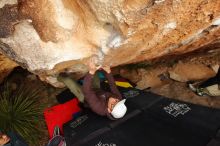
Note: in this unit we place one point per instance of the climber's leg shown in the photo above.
(74, 87)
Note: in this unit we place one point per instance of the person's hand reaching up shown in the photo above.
(106, 68)
(92, 65)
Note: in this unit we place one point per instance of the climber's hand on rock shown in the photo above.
(106, 68)
(93, 64)
(93, 68)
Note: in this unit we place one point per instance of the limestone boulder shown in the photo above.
(184, 72)
(52, 36)
(152, 78)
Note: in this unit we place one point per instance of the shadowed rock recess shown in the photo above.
(52, 36)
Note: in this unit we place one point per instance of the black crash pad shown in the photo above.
(143, 130)
(151, 120)
(198, 119)
(138, 98)
(65, 96)
(89, 125)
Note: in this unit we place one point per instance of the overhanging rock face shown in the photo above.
(50, 36)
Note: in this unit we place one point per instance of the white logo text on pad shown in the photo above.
(105, 144)
(176, 109)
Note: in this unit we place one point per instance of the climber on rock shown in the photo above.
(101, 102)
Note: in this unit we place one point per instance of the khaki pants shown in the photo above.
(75, 88)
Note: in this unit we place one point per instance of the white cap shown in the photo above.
(119, 110)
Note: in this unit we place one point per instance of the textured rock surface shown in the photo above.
(145, 78)
(50, 36)
(6, 66)
(174, 89)
(184, 72)
(195, 66)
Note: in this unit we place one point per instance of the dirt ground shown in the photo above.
(180, 91)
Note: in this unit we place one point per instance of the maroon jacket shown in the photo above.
(98, 100)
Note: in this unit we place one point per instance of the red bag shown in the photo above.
(60, 114)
